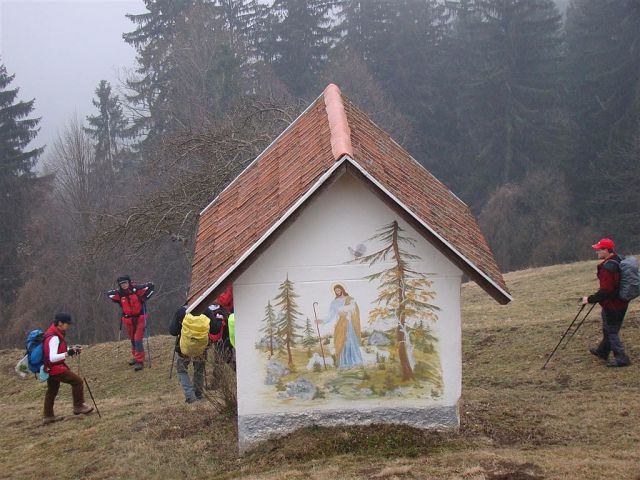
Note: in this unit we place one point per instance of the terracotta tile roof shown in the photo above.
(302, 157)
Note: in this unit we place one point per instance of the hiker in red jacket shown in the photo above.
(225, 300)
(613, 307)
(131, 299)
(55, 352)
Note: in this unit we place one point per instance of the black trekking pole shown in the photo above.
(563, 335)
(119, 334)
(173, 360)
(578, 327)
(146, 329)
(88, 387)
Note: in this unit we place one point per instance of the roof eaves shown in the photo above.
(321, 180)
(421, 222)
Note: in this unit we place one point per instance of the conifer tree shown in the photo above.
(17, 160)
(404, 295)
(288, 326)
(108, 128)
(308, 336)
(403, 45)
(603, 72)
(153, 39)
(298, 36)
(509, 94)
(270, 328)
(189, 62)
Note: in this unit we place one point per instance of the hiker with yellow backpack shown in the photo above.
(194, 333)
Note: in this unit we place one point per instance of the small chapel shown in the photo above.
(346, 258)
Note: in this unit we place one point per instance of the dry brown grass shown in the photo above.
(574, 420)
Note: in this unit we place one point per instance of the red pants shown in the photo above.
(135, 330)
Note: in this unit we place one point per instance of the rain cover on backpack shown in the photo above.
(194, 336)
(629, 279)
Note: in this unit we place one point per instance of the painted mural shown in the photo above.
(345, 350)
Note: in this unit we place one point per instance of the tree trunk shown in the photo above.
(271, 344)
(405, 366)
(289, 350)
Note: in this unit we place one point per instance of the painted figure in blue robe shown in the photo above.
(346, 335)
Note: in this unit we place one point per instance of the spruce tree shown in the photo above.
(17, 181)
(603, 72)
(308, 336)
(288, 326)
(270, 328)
(404, 294)
(153, 39)
(402, 43)
(108, 129)
(509, 95)
(298, 37)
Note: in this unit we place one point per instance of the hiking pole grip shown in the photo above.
(564, 335)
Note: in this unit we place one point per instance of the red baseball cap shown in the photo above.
(605, 243)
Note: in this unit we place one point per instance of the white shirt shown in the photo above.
(54, 356)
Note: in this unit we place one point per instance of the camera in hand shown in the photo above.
(74, 350)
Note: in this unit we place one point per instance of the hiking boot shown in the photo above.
(132, 362)
(82, 409)
(191, 400)
(48, 420)
(598, 353)
(615, 363)
(138, 367)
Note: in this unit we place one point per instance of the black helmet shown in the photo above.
(124, 278)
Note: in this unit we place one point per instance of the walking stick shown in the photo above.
(88, 387)
(173, 360)
(562, 337)
(578, 327)
(119, 334)
(146, 330)
(319, 337)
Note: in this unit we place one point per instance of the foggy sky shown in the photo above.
(60, 50)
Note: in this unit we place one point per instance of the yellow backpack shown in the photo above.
(194, 336)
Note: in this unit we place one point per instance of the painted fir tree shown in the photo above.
(308, 337)
(270, 328)
(288, 320)
(403, 294)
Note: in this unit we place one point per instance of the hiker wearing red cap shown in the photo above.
(613, 307)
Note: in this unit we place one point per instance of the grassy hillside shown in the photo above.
(575, 420)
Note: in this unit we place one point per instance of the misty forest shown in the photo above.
(528, 110)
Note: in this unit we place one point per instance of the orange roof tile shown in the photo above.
(299, 161)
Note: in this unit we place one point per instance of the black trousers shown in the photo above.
(53, 385)
(611, 324)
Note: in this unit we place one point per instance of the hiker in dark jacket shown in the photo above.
(193, 389)
(613, 307)
(55, 352)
